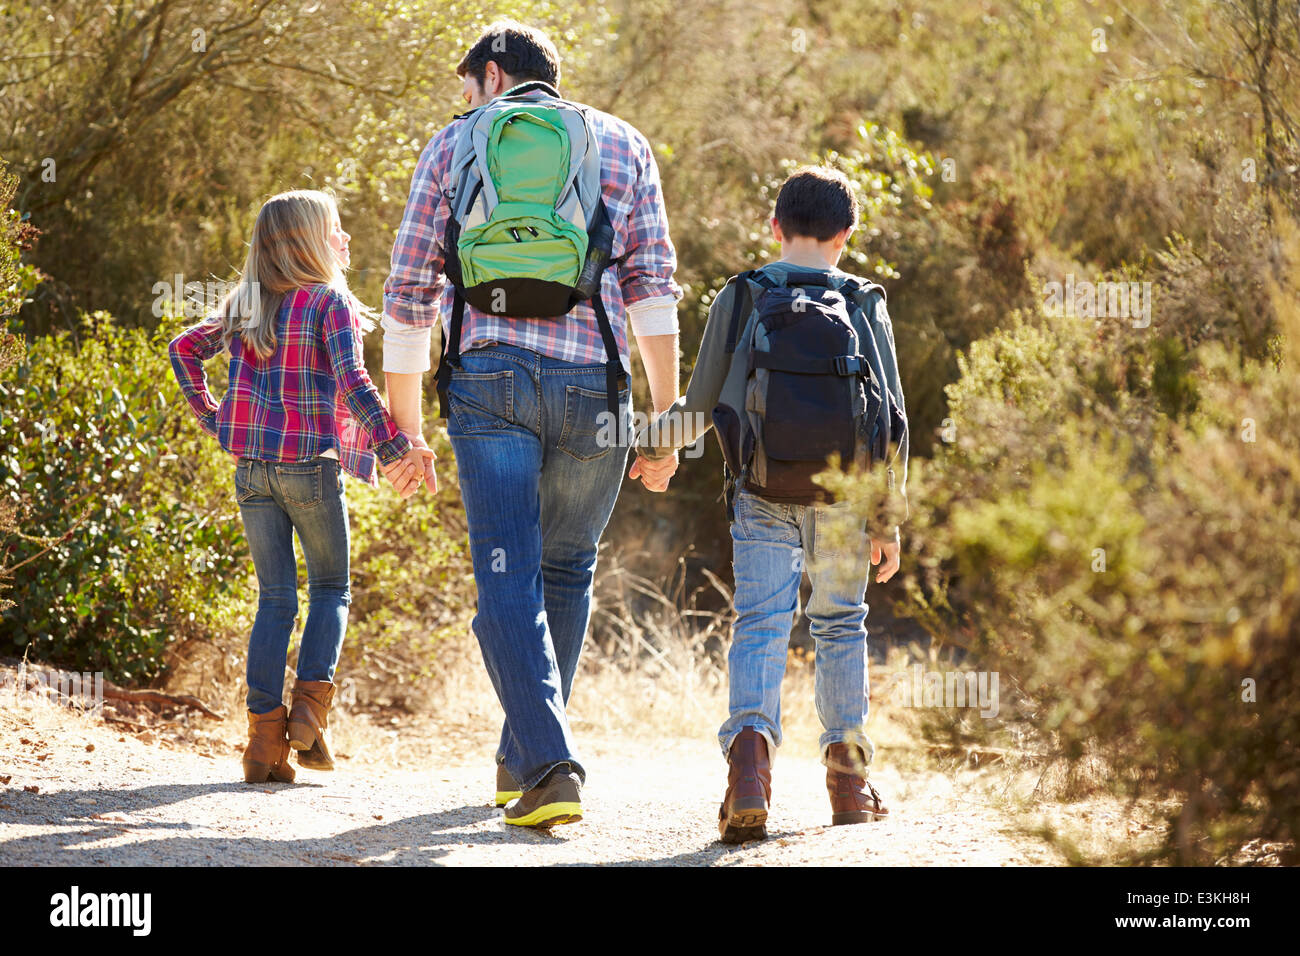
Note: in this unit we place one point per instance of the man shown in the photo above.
(538, 477)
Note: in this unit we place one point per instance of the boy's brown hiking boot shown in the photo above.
(308, 719)
(267, 755)
(853, 798)
(743, 814)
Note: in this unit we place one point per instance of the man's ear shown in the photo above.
(492, 79)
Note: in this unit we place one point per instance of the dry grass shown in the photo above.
(655, 667)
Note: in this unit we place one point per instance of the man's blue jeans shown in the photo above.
(772, 545)
(539, 476)
(275, 500)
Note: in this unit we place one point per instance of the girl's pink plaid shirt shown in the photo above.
(311, 395)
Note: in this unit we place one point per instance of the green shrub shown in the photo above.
(127, 549)
(1130, 561)
(412, 585)
(133, 546)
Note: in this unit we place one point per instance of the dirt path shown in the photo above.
(78, 792)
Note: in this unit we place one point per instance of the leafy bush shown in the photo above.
(1131, 564)
(134, 549)
(412, 586)
(129, 548)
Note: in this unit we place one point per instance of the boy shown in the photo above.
(775, 540)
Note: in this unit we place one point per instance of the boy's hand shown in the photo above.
(888, 550)
(654, 474)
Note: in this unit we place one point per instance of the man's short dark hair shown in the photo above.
(520, 51)
(816, 201)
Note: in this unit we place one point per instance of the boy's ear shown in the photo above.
(776, 230)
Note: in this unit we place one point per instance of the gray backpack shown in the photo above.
(804, 385)
(529, 235)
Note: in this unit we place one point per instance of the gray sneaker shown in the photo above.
(556, 800)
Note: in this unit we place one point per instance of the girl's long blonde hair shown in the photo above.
(289, 250)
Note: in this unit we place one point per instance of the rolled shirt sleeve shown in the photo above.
(415, 280)
(654, 316)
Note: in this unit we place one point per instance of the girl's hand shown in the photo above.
(406, 473)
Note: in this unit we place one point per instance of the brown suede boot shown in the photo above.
(308, 719)
(743, 815)
(267, 755)
(853, 798)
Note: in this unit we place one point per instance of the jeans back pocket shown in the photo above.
(250, 481)
(588, 433)
(301, 483)
(838, 532)
(481, 401)
(758, 519)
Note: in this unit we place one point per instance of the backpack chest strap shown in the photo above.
(836, 365)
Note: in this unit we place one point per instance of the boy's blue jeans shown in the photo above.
(276, 499)
(772, 545)
(539, 477)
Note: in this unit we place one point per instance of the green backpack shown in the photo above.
(528, 235)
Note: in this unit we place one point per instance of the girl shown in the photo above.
(300, 410)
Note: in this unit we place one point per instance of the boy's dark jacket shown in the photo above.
(716, 373)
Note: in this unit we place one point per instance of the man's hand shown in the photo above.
(888, 551)
(654, 474)
(410, 470)
(429, 476)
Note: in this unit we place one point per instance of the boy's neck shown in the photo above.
(809, 253)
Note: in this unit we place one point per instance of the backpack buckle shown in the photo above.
(849, 365)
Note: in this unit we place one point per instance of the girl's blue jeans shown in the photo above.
(275, 500)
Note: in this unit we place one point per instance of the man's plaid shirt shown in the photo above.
(641, 269)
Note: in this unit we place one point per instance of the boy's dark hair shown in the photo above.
(816, 201)
(520, 51)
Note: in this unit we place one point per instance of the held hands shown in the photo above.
(429, 476)
(654, 474)
(886, 551)
(413, 468)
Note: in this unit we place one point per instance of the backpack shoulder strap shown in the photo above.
(530, 86)
(741, 303)
(861, 291)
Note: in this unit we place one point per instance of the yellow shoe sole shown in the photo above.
(505, 796)
(549, 815)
